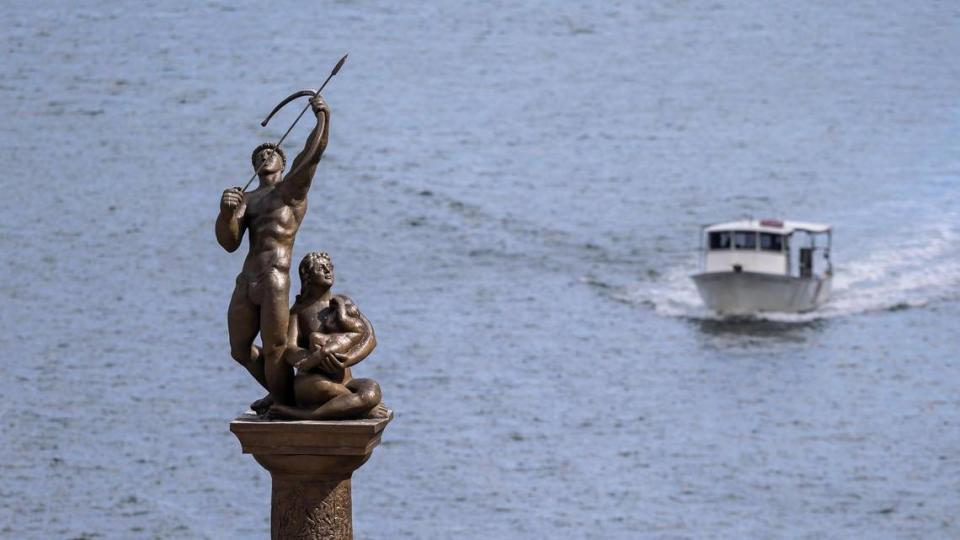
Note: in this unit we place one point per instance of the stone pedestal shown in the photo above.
(311, 463)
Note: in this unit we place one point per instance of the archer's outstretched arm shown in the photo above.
(230, 223)
(296, 184)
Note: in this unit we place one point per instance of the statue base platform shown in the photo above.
(311, 463)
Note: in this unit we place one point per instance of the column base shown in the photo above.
(311, 463)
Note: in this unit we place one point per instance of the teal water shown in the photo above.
(512, 194)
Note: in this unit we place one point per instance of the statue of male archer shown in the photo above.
(271, 214)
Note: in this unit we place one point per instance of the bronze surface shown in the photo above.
(323, 334)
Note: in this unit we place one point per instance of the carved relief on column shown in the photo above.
(311, 509)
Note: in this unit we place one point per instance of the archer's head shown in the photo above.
(271, 156)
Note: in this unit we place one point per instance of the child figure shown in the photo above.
(340, 330)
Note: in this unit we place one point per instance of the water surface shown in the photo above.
(512, 194)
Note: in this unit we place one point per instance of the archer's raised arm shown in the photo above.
(296, 184)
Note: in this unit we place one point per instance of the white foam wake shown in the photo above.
(909, 270)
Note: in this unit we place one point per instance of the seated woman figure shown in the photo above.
(327, 335)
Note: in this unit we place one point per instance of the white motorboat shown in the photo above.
(753, 266)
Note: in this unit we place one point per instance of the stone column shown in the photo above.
(311, 463)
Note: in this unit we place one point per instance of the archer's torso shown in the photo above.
(272, 225)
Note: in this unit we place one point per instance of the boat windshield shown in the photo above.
(721, 240)
(771, 242)
(745, 240)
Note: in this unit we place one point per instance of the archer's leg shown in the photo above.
(274, 316)
(243, 323)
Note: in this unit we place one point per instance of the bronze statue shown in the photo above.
(272, 214)
(323, 335)
(327, 336)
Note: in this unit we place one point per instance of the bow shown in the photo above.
(288, 99)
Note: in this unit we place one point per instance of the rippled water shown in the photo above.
(512, 194)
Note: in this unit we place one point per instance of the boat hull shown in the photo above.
(743, 293)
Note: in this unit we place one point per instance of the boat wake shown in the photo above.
(905, 276)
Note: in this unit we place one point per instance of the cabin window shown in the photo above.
(745, 240)
(720, 240)
(771, 242)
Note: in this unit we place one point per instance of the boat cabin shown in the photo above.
(767, 246)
